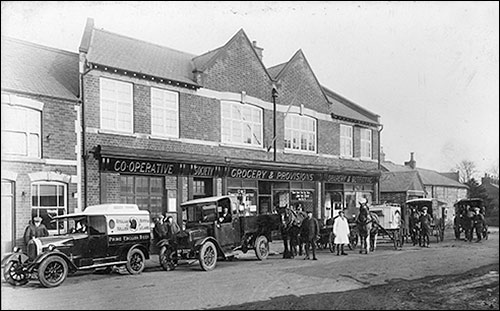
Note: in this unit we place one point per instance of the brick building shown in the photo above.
(39, 159)
(163, 126)
(424, 184)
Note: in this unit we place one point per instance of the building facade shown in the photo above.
(162, 126)
(429, 184)
(39, 155)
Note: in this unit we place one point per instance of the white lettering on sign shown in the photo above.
(129, 224)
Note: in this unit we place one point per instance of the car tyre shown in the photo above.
(52, 271)
(208, 256)
(14, 274)
(261, 247)
(136, 261)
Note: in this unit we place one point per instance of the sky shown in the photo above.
(429, 69)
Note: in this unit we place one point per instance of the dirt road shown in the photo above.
(385, 279)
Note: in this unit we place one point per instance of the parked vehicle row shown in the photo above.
(110, 235)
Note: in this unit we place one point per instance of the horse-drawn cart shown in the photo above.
(389, 223)
(435, 208)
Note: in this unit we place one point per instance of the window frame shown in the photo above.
(116, 128)
(364, 141)
(344, 139)
(64, 207)
(165, 111)
(227, 118)
(300, 131)
(26, 130)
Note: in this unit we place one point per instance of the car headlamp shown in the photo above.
(16, 249)
(51, 247)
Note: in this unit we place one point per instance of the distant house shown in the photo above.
(399, 183)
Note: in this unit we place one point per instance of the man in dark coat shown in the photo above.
(310, 231)
(478, 223)
(425, 222)
(35, 229)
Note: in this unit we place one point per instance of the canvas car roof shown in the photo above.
(108, 209)
(424, 200)
(205, 200)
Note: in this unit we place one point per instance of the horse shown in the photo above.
(290, 229)
(367, 224)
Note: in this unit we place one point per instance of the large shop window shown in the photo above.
(147, 192)
(345, 140)
(246, 192)
(300, 133)
(116, 105)
(241, 124)
(202, 187)
(353, 195)
(49, 199)
(7, 215)
(164, 113)
(21, 131)
(366, 143)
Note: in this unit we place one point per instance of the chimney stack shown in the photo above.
(382, 154)
(257, 49)
(412, 163)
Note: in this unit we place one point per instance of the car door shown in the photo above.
(98, 240)
(227, 233)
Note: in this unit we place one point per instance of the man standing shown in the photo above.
(310, 231)
(341, 232)
(425, 222)
(35, 229)
(478, 223)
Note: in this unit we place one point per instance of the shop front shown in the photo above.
(160, 186)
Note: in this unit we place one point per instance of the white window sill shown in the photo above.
(301, 152)
(242, 146)
(160, 137)
(113, 132)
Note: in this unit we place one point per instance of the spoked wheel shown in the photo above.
(208, 256)
(167, 261)
(261, 247)
(53, 271)
(136, 261)
(14, 274)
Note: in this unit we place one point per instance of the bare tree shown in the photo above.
(466, 170)
(493, 171)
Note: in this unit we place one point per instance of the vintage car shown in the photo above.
(101, 236)
(435, 208)
(206, 236)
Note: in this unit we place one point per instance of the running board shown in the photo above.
(116, 263)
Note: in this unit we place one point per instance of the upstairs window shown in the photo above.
(49, 199)
(116, 105)
(346, 140)
(21, 131)
(241, 124)
(300, 133)
(164, 113)
(366, 143)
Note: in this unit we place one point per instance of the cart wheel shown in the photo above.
(166, 261)
(261, 247)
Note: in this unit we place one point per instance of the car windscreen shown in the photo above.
(202, 212)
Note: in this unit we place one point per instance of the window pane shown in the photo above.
(14, 143)
(60, 192)
(34, 195)
(34, 146)
(48, 195)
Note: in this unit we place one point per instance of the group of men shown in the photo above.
(165, 228)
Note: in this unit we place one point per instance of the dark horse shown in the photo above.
(367, 224)
(290, 229)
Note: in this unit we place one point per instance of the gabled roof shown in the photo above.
(429, 177)
(118, 51)
(434, 178)
(201, 62)
(275, 70)
(343, 107)
(400, 181)
(39, 70)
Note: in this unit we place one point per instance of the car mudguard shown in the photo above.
(200, 242)
(55, 252)
(19, 256)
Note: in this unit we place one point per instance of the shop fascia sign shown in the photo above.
(159, 168)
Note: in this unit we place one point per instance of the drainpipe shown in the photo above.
(85, 155)
(379, 166)
(274, 94)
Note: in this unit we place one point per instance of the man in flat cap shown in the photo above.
(35, 229)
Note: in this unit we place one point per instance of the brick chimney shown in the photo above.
(382, 154)
(412, 163)
(257, 49)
